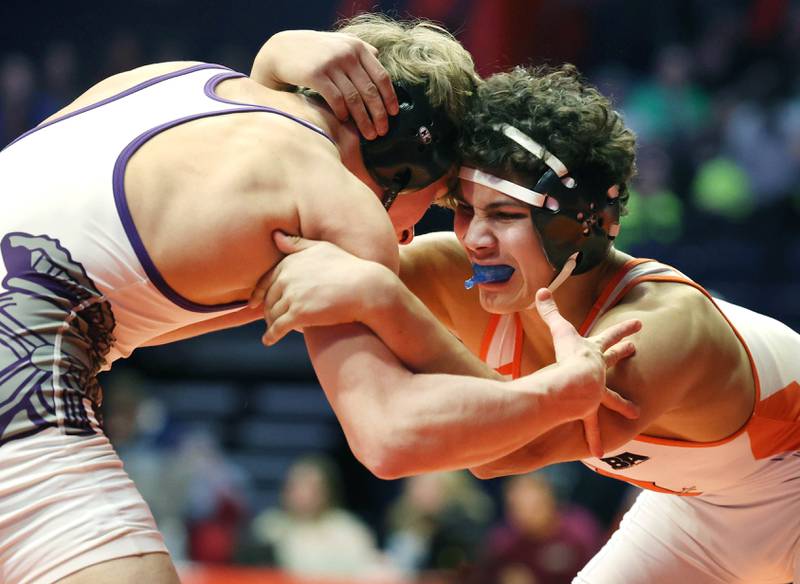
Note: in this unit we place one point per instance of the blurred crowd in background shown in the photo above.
(234, 446)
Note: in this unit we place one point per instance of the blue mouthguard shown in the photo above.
(482, 274)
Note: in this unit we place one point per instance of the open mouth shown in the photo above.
(486, 274)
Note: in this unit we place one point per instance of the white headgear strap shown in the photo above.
(504, 186)
(534, 148)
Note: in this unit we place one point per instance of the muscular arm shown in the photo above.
(430, 288)
(399, 421)
(667, 366)
(417, 337)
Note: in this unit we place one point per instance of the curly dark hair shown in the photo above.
(562, 112)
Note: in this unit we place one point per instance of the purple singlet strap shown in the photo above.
(210, 89)
(121, 202)
(130, 90)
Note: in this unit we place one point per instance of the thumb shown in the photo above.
(291, 243)
(546, 307)
(559, 326)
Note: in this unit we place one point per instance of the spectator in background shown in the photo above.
(215, 497)
(311, 534)
(138, 427)
(669, 106)
(655, 213)
(19, 103)
(197, 496)
(59, 76)
(539, 542)
(437, 522)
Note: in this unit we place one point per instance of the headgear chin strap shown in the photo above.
(418, 149)
(576, 218)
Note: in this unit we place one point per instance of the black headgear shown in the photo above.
(583, 218)
(574, 215)
(418, 149)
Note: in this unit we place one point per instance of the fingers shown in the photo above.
(619, 352)
(366, 90)
(333, 97)
(381, 79)
(276, 330)
(616, 403)
(262, 286)
(272, 301)
(591, 431)
(288, 244)
(354, 102)
(548, 310)
(372, 98)
(614, 334)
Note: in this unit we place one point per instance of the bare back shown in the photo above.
(206, 195)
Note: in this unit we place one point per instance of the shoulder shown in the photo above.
(437, 252)
(434, 267)
(673, 349)
(119, 82)
(333, 205)
(675, 315)
(435, 264)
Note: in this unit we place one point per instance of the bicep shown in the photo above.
(343, 211)
(658, 376)
(346, 359)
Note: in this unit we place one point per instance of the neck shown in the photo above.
(344, 134)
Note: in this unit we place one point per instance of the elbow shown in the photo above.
(485, 472)
(383, 455)
(387, 467)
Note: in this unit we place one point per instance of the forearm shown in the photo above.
(399, 423)
(566, 442)
(412, 332)
(561, 444)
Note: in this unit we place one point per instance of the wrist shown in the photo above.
(382, 298)
(264, 65)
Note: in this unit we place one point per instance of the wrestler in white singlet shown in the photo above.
(79, 291)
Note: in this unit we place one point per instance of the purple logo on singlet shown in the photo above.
(55, 330)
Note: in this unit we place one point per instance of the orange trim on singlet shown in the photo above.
(775, 428)
(756, 380)
(650, 486)
(506, 369)
(516, 364)
(514, 367)
(488, 335)
(607, 291)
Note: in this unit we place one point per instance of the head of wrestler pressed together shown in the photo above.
(546, 162)
(425, 58)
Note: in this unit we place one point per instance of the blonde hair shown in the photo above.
(420, 52)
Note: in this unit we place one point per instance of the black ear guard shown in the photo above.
(418, 149)
(583, 217)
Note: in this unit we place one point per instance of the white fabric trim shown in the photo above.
(504, 186)
(566, 272)
(503, 343)
(534, 148)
